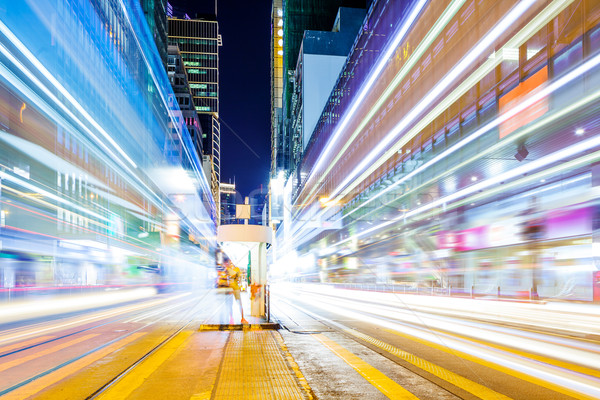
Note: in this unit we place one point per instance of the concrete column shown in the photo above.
(259, 280)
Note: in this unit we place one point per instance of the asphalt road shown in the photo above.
(353, 345)
(334, 344)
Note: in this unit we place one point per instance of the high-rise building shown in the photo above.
(198, 41)
(155, 12)
(228, 201)
(320, 60)
(290, 18)
(181, 90)
(277, 147)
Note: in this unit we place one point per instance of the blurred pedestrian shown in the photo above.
(235, 276)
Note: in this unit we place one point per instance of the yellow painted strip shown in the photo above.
(41, 353)
(375, 377)
(547, 360)
(497, 367)
(24, 343)
(202, 396)
(130, 382)
(459, 381)
(40, 384)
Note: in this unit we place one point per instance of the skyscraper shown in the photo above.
(228, 202)
(155, 12)
(181, 89)
(289, 20)
(198, 41)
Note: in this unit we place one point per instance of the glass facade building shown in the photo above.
(198, 41)
(100, 181)
(289, 20)
(156, 17)
(181, 88)
(229, 198)
(277, 145)
(457, 152)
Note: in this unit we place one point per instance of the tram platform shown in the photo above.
(254, 362)
(202, 365)
(220, 358)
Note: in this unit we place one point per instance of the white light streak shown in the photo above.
(366, 87)
(448, 79)
(25, 51)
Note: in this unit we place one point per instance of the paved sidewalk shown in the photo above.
(257, 365)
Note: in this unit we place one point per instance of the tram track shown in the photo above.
(375, 332)
(137, 363)
(343, 330)
(128, 336)
(36, 330)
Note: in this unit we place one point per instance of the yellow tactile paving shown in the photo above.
(385, 385)
(466, 384)
(254, 366)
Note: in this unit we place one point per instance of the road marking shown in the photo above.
(468, 385)
(25, 343)
(21, 360)
(41, 383)
(497, 367)
(202, 396)
(136, 377)
(375, 377)
(547, 360)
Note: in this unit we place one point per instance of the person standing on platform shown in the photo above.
(235, 275)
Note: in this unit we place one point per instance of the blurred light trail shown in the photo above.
(437, 28)
(25, 51)
(80, 303)
(523, 105)
(41, 103)
(432, 329)
(553, 117)
(88, 120)
(585, 160)
(373, 76)
(137, 182)
(438, 89)
(525, 33)
(45, 193)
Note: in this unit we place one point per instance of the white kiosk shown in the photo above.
(249, 242)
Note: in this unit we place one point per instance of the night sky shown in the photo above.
(244, 98)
